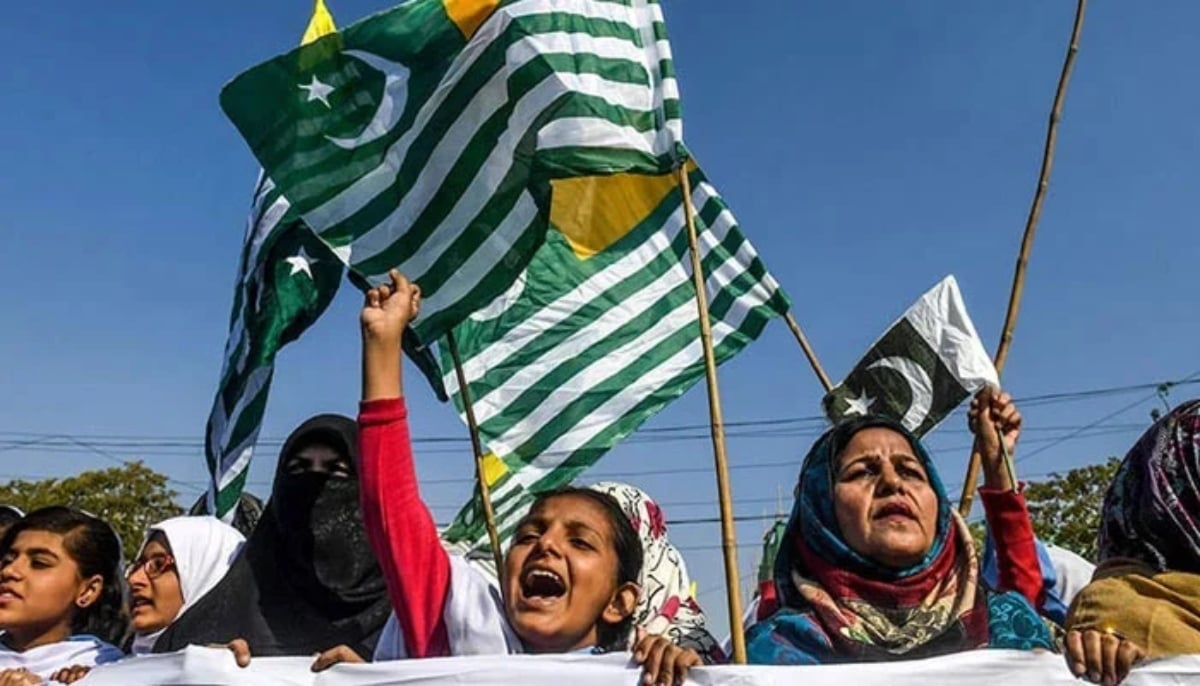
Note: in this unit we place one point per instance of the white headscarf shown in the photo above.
(204, 548)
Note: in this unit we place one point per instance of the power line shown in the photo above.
(818, 422)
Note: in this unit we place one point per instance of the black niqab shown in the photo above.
(306, 580)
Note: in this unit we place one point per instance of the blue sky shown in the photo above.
(868, 149)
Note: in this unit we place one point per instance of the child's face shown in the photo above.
(560, 577)
(40, 585)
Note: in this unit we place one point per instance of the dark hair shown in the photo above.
(9, 515)
(626, 544)
(96, 549)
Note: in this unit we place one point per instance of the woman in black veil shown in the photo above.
(306, 580)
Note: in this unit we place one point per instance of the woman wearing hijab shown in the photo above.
(665, 606)
(182, 559)
(1144, 600)
(306, 580)
(876, 565)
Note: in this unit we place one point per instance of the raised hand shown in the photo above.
(994, 418)
(389, 308)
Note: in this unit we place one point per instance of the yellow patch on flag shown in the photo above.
(468, 15)
(593, 212)
(320, 25)
(493, 469)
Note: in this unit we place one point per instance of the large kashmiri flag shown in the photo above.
(601, 332)
(424, 138)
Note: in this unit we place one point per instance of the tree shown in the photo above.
(1066, 507)
(131, 498)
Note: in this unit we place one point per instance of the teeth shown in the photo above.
(546, 574)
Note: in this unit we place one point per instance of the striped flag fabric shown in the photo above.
(600, 332)
(286, 278)
(425, 137)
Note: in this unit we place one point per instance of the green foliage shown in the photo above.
(131, 498)
(1066, 507)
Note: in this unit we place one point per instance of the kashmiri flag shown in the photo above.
(927, 363)
(600, 332)
(424, 138)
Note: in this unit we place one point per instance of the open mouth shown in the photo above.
(542, 585)
(895, 509)
(7, 594)
(136, 604)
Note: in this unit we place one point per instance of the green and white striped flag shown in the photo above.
(424, 137)
(600, 333)
(286, 279)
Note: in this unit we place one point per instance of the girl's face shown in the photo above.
(155, 596)
(41, 589)
(886, 509)
(560, 576)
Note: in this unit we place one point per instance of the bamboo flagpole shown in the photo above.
(728, 532)
(1035, 213)
(808, 351)
(485, 496)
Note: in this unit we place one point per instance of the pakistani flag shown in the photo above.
(927, 363)
(601, 332)
(424, 137)
(286, 278)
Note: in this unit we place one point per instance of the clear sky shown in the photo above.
(868, 149)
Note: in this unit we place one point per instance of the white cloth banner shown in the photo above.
(976, 668)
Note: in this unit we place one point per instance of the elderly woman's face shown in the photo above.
(885, 507)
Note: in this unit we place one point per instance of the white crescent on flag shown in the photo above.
(920, 386)
(391, 104)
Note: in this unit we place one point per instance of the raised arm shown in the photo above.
(399, 526)
(996, 423)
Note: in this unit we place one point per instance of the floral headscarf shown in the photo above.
(666, 606)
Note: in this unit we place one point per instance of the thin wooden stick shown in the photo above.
(1031, 223)
(485, 496)
(733, 586)
(808, 351)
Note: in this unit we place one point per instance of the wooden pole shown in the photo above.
(733, 586)
(1031, 223)
(808, 351)
(485, 496)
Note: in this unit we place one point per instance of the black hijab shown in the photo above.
(306, 580)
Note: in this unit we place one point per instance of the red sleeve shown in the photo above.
(400, 528)
(1016, 548)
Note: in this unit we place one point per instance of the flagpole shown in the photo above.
(485, 496)
(808, 351)
(728, 532)
(1035, 213)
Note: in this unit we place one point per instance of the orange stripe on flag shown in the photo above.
(467, 15)
(593, 212)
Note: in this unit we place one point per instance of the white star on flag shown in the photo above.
(860, 405)
(317, 90)
(301, 263)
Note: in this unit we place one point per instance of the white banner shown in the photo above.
(975, 668)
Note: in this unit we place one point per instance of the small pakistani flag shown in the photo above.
(926, 363)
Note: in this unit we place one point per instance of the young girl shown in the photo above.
(182, 559)
(569, 579)
(60, 594)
